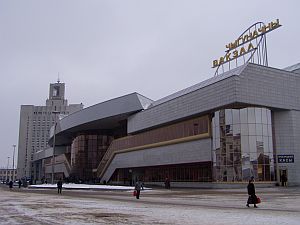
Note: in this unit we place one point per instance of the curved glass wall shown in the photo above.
(86, 154)
(242, 145)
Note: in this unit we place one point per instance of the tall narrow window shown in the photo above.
(55, 91)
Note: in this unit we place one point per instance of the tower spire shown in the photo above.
(58, 78)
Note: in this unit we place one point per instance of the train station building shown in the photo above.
(242, 123)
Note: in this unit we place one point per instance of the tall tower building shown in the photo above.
(35, 124)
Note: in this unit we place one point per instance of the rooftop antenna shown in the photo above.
(58, 78)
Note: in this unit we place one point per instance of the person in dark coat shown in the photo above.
(167, 183)
(283, 180)
(20, 183)
(59, 186)
(138, 186)
(10, 184)
(252, 199)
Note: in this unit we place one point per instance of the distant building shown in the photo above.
(35, 123)
(8, 174)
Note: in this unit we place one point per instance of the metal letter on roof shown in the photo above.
(250, 46)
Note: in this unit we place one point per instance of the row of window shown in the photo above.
(194, 172)
(261, 172)
(243, 144)
(49, 113)
(7, 172)
(244, 129)
(5, 177)
(245, 116)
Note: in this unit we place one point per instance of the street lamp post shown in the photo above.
(53, 155)
(13, 175)
(7, 168)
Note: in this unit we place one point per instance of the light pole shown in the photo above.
(13, 176)
(53, 155)
(7, 168)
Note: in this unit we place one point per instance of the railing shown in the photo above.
(108, 155)
(67, 164)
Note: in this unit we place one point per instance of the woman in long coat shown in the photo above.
(138, 186)
(252, 199)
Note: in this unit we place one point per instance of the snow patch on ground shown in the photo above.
(164, 207)
(85, 186)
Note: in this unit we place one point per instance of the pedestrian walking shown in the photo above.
(283, 180)
(10, 184)
(59, 186)
(20, 183)
(138, 186)
(167, 183)
(252, 199)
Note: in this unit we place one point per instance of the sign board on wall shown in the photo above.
(285, 158)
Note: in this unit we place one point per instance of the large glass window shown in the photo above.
(86, 153)
(192, 172)
(243, 146)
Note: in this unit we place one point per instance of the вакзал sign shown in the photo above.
(243, 44)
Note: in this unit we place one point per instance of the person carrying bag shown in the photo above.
(252, 199)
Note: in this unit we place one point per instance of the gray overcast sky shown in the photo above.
(105, 49)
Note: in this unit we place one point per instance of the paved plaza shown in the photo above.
(156, 206)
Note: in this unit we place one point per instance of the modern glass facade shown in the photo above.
(86, 153)
(242, 145)
(189, 172)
